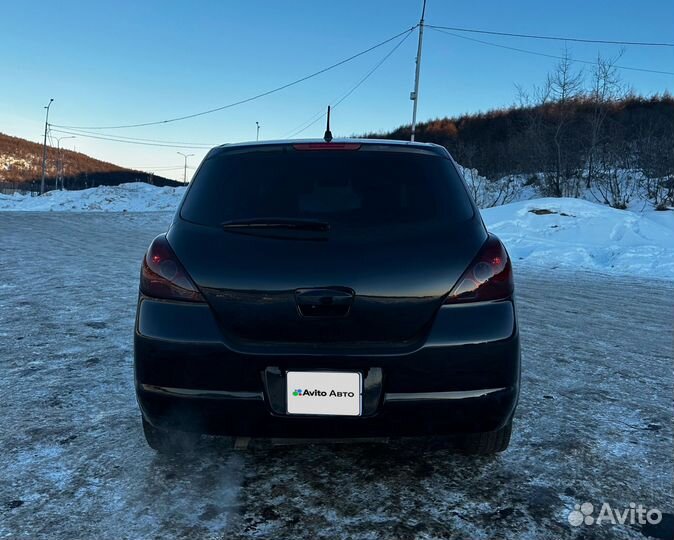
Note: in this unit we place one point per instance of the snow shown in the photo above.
(132, 197)
(10, 162)
(576, 234)
(581, 234)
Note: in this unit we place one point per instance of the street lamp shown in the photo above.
(257, 137)
(60, 160)
(185, 174)
(59, 139)
(44, 147)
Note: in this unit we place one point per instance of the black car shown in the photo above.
(338, 289)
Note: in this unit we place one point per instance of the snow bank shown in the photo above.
(133, 197)
(580, 234)
(551, 232)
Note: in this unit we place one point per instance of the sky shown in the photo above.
(123, 62)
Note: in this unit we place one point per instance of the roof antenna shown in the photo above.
(328, 134)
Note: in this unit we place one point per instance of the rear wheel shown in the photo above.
(490, 442)
(167, 441)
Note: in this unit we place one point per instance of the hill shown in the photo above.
(616, 147)
(21, 168)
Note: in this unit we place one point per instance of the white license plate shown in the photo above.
(324, 392)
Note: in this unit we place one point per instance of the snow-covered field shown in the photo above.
(133, 197)
(574, 233)
(569, 233)
(594, 422)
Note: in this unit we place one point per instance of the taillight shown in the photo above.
(162, 275)
(489, 277)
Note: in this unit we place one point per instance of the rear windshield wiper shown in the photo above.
(276, 223)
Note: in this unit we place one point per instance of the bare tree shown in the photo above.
(606, 89)
(616, 183)
(565, 87)
(655, 155)
(488, 193)
(535, 151)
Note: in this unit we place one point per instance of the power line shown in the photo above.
(115, 136)
(348, 93)
(555, 38)
(114, 139)
(249, 99)
(183, 144)
(315, 119)
(375, 68)
(305, 125)
(547, 55)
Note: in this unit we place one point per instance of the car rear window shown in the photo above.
(349, 189)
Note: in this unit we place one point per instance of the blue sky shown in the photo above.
(126, 62)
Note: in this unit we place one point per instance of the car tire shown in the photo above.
(490, 442)
(168, 442)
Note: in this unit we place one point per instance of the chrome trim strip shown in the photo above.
(421, 396)
(195, 393)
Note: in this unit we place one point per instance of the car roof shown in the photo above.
(394, 144)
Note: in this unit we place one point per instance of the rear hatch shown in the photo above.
(313, 247)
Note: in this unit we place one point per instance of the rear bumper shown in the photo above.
(463, 378)
(252, 416)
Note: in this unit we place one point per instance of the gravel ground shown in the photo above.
(594, 422)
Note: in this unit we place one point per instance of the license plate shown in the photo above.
(324, 392)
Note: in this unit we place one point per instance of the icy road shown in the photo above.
(594, 422)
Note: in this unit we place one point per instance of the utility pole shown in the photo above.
(257, 137)
(44, 147)
(185, 175)
(414, 96)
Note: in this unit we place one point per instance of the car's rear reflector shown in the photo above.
(327, 146)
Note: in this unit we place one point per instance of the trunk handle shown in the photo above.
(324, 302)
